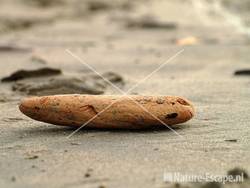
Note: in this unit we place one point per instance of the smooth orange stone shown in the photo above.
(109, 111)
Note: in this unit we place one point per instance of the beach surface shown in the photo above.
(198, 50)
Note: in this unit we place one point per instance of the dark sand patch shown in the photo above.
(13, 48)
(59, 85)
(150, 23)
(243, 72)
(22, 74)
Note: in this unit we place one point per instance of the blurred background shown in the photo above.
(113, 36)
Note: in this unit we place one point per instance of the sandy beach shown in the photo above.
(198, 50)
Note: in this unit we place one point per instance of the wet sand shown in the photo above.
(35, 154)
